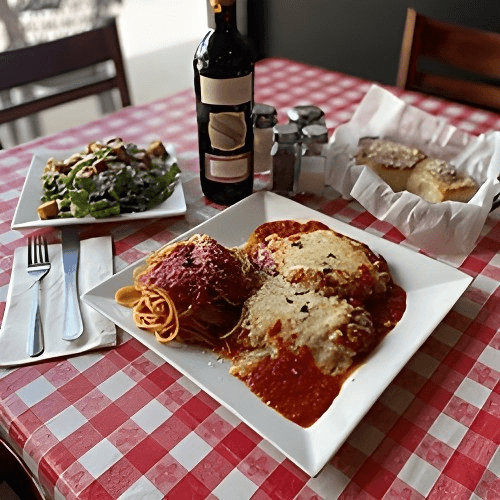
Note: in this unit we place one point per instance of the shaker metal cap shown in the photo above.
(288, 133)
(305, 115)
(264, 115)
(315, 133)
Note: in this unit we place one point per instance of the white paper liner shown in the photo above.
(95, 265)
(443, 229)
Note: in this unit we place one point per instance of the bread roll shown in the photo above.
(392, 161)
(436, 181)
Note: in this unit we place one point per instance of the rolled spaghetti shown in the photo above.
(192, 289)
(152, 310)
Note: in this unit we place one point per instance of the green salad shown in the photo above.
(108, 179)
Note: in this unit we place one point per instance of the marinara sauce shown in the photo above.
(294, 386)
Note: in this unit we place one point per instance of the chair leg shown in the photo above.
(6, 101)
(14, 132)
(33, 120)
(107, 103)
(3, 135)
(34, 125)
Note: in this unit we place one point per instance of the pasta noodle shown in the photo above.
(128, 296)
(191, 290)
(153, 310)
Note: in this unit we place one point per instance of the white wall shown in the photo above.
(148, 25)
(159, 38)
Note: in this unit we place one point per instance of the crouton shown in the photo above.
(156, 148)
(48, 210)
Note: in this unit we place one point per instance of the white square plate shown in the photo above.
(431, 286)
(26, 215)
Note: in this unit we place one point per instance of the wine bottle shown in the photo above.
(224, 88)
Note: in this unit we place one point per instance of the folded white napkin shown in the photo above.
(95, 265)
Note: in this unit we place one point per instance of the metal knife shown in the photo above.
(73, 326)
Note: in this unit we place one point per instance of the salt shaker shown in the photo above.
(314, 137)
(312, 172)
(286, 154)
(264, 118)
(306, 115)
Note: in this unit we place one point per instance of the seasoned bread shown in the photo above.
(392, 161)
(406, 168)
(436, 181)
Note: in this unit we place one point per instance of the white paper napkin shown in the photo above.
(446, 230)
(95, 265)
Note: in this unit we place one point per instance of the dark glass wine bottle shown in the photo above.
(224, 88)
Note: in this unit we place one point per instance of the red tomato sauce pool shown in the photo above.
(294, 386)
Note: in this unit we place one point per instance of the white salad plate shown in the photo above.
(26, 215)
(432, 289)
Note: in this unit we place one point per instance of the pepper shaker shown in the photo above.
(314, 137)
(264, 117)
(286, 154)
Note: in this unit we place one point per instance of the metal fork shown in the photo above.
(38, 267)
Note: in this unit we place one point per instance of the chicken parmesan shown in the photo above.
(295, 309)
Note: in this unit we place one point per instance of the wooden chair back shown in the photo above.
(470, 57)
(31, 64)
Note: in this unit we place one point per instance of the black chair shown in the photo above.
(67, 69)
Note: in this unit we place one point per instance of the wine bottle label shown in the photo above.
(227, 131)
(227, 91)
(227, 168)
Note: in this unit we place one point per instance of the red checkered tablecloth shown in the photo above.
(121, 423)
